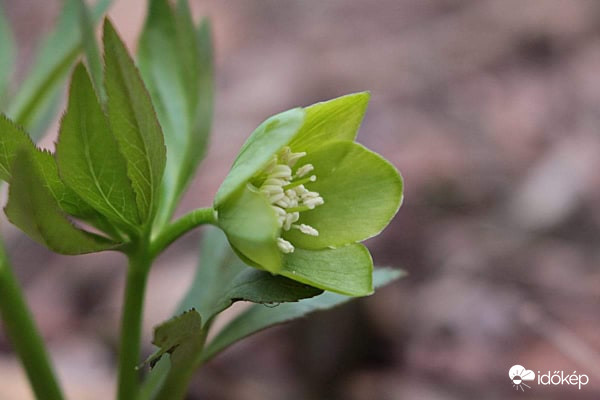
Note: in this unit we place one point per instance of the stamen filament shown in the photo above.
(299, 182)
(287, 195)
(298, 209)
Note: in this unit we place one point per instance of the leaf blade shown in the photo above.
(176, 61)
(32, 207)
(35, 102)
(134, 122)
(258, 318)
(90, 47)
(12, 138)
(89, 159)
(175, 332)
(7, 54)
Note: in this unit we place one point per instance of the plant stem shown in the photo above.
(22, 332)
(141, 254)
(184, 224)
(131, 322)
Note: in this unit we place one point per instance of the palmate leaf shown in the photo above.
(36, 101)
(89, 158)
(258, 317)
(176, 63)
(13, 140)
(133, 120)
(33, 208)
(221, 279)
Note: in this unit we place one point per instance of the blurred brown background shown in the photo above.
(491, 111)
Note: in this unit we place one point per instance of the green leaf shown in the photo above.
(33, 209)
(13, 139)
(222, 279)
(258, 317)
(347, 270)
(134, 123)
(329, 121)
(67, 199)
(155, 379)
(272, 135)
(90, 47)
(362, 193)
(176, 336)
(217, 267)
(251, 226)
(89, 159)
(7, 55)
(183, 338)
(259, 287)
(176, 64)
(203, 112)
(38, 96)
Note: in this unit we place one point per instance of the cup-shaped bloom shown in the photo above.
(302, 194)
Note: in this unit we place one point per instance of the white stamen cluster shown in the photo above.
(287, 194)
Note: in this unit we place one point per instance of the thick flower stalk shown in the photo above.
(302, 194)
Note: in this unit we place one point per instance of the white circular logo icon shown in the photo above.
(518, 374)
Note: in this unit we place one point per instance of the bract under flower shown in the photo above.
(301, 194)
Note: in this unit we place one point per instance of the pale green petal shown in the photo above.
(362, 192)
(347, 270)
(333, 120)
(251, 226)
(265, 141)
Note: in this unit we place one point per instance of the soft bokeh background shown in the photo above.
(491, 111)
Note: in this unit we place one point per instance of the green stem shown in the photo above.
(22, 332)
(131, 322)
(184, 224)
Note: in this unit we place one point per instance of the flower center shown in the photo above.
(287, 194)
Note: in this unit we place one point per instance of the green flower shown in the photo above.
(301, 195)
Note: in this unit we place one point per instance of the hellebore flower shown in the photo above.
(301, 195)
